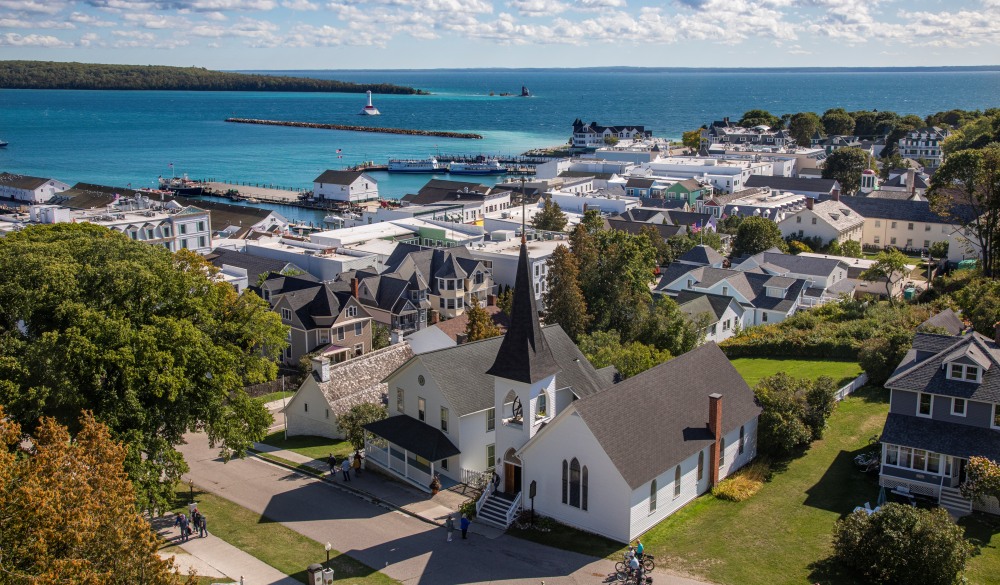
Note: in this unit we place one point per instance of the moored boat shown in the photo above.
(182, 185)
(3, 143)
(484, 167)
(406, 165)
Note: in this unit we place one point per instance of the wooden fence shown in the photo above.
(282, 383)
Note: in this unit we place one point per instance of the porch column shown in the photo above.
(406, 463)
(432, 470)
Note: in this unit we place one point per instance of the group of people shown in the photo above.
(634, 555)
(197, 521)
(346, 465)
(463, 524)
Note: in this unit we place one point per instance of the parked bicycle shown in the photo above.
(646, 559)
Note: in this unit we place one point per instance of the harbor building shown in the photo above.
(346, 186)
(28, 189)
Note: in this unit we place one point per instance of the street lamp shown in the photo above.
(328, 548)
(191, 488)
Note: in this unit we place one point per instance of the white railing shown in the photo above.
(514, 508)
(850, 388)
(484, 496)
(377, 454)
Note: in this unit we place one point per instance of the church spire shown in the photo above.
(524, 355)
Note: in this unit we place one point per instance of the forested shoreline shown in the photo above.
(93, 76)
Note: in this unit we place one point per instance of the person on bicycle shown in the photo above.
(633, 565)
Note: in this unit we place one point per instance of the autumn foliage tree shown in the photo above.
(68, 510)
(564, 302)
(146, 340)
(480, 323)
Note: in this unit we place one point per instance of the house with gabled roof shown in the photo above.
(318, 315)
(826, 278)
(828, 220)
(944, 408)
(725, 315)
(530, 408)
(349, 186)
(28, 189)
(906, 225)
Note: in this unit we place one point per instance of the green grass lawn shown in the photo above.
(275, 396)
(984, 531)
(315, 447)
(273, 543)
(753, 369)
(775, 537)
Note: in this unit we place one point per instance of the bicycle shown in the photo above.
(621, 567)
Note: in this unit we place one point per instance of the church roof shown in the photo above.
(524, 355)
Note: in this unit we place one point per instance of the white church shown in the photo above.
(608, 458)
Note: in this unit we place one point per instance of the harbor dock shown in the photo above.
(375, 129)
(269, 194)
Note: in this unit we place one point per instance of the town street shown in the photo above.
(404, 547)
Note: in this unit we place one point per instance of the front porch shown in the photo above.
(408, 449)
(927, 474)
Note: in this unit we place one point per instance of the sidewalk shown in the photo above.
(212, 557)
(379, 489)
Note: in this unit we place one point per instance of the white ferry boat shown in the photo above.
(407, 165)
(488, 167)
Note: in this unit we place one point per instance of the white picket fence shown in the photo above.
(850, 388)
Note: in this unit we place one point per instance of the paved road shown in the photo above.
(405, 548)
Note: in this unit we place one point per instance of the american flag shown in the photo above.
(696, 228)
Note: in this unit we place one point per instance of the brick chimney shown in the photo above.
(911, 180)
(321, 367)
(835, 195)
(809, 203)
(714, 427)
(354, 287)
(491, 300)
(996, 332)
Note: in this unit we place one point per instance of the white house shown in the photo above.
(828, 220)
(349, 186)
(924, 145)
(726, 316)
(330, 390)
(612, 459)
(907, 225)
(29, 189)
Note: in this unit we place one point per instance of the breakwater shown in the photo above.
(405, 131)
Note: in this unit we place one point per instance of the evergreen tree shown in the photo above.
(505, 300)
(480, 325)
(564, 302)
(551, 218)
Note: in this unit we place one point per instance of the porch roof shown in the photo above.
(957, 440)
(414, 436)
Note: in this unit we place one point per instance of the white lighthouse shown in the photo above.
(370, 110)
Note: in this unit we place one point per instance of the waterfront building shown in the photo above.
(347, 186)
(28, 189)
(593, 135)
(725, 176)
(812, 188)
(569, 168)
(728, 134)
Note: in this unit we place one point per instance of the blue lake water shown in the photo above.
(130, 137)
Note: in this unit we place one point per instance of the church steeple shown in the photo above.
(524, 355)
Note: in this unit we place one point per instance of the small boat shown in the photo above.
(406, 165)
(252, 200)
(480, 167)
(182, 185)
(370, 110)
(525, 92)
(3, 143)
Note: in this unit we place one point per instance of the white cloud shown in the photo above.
(35, 6)
(90, 20)
(600, 4)
(47, 41)
(22, 23)
(302, 5)
(90, 39)
(538, 7)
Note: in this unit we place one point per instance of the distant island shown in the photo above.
(58, 75)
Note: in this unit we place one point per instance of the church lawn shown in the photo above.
(274, 396)
(774, 537)
(753, 369)
(314, 447)
(273, 543)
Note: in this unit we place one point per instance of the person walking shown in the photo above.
(346, 468)
(356, 464)
(450, 525)
(332, 462)
(202, 526)
(464, 525)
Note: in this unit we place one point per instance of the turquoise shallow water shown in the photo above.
(130, 137)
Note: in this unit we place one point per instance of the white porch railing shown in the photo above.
(483, 497)
(377, 454)
(514, 509)
(850, 388)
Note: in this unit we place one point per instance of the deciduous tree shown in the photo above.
(982, 479)
(803, 126)
(353, 421)
(146, 339)
(846, 165)
(692, 139)
(837, 121)
(851, 249)
(480, 323)
(668, 328)
(753, 118)
(889, 265)
(564, 301)
(795, 411)
(380, 336)
(604, 348)
(617, 285)
(69, 510)
(755, 235)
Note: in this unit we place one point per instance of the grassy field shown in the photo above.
(275, 396)
(781, 535)
(753, 369)
(314, 447)
(273, 543)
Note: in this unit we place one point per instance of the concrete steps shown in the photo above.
(951, 499)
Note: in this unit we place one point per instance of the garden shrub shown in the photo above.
(879, 356)
(744, 483)
(902, 544)
(794, 412)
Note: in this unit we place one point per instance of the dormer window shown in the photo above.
(964, 372)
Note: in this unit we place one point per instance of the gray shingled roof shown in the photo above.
(338, 177)
(651, 422)
(879, 208)
(702, 255)
(793, 184)
(696, 303)
(953, 439)
(928, 375)
(947, 320)
(460, 371)
(811, 265)
(22, 181)
(254, 265)
(359, 380)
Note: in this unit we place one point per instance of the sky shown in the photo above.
(425, 34)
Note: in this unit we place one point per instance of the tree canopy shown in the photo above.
(146, 339)
(604, 348)
(890, 265)
(353, 421)
(692, 139)
(551, 218)
(803, 126)
(564, 302)
(794, 413)
(846, 165)
(480, 323)
(69, 511)
(757, 234)
(753, 118)
(59, 75)
(838, 122)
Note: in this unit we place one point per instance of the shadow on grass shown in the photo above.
(843, 485)
(567, 538)
(980, 529)
(829, 571)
